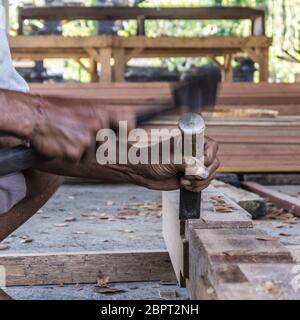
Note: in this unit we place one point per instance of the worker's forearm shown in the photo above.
(90, 170)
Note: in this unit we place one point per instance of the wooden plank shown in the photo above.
(83, 267)
(130, 13)
(215, 257)
(40, 42)
(249, 201)
(174, 231)
(280, 199)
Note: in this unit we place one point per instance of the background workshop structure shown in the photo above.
(95, 239)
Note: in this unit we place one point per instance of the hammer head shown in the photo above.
(197, 91)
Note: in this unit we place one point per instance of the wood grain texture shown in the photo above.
(219, 259)
(83, 267)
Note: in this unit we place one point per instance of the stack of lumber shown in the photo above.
(247, 144)
(284, 98)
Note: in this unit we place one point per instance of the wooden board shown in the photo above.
(280, 199)
(83, 267)
(251, 202)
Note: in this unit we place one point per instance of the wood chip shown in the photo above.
(267, 238)
(71, 219)
(210, 291)
(270, 286)
(102, 285)
(167, 294)
(231, 253)
(27, 240)
(61, 225)
(126, 231)
(4, 247)
(102, 280)
(168, 283)
(108, 290)
(283, 234)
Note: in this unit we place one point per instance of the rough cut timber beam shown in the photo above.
(83, 267)
(280, 199)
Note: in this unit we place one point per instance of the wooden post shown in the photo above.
(141, 26)
(119, 64)
(106, 67)
(264, 65)
(228, 67)
(93, 70)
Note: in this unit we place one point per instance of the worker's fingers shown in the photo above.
(193, 183)
(191, 166)
(199, 188)
(209, 171)
(210, 151)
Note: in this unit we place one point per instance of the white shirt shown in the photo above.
(13, 186)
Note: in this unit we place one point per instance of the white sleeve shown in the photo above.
(9, 78)
(12, 187)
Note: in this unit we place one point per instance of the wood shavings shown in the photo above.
(26, 240)
(271, 287)
(210, 291)
(167, 294)
(61, 225)
(102, 285)
(102, 280)
(80, 232)
(283, 234)
(126, 231)
(267, 238)
(71, 219)
(109, 290)
(231, 253)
